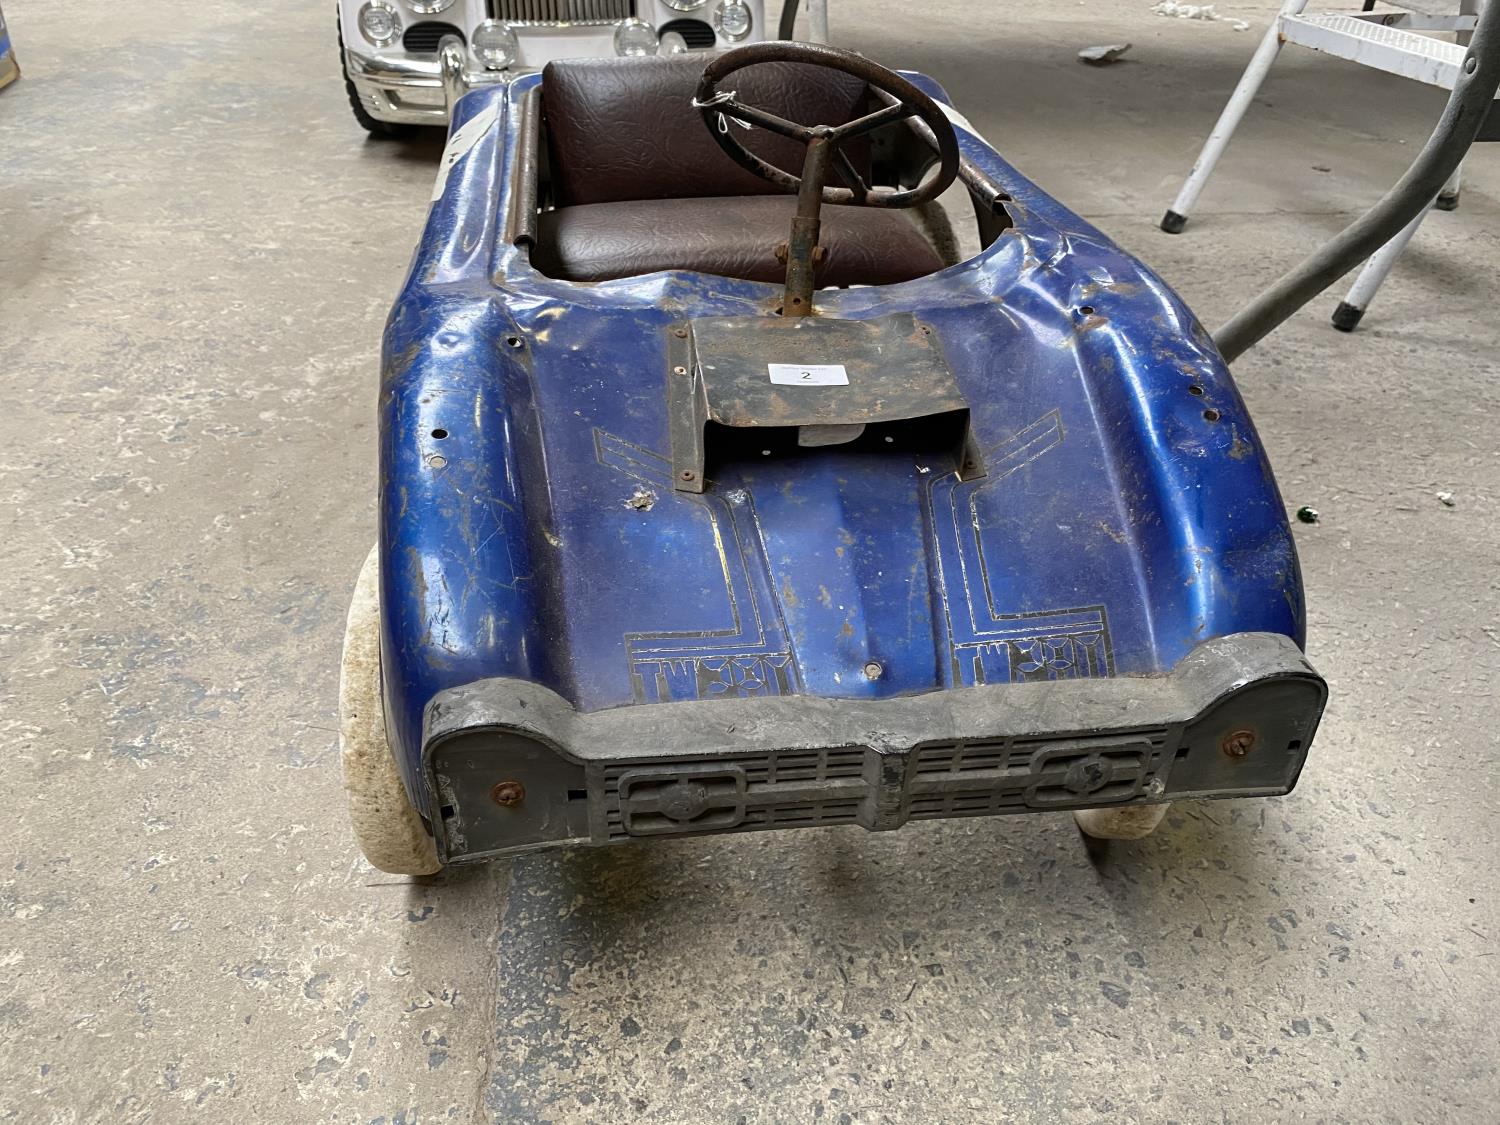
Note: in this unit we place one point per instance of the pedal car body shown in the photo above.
(631, 584)
(9, 69)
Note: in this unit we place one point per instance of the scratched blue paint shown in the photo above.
(1116, 529)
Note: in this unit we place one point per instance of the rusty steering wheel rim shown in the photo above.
(907, 101)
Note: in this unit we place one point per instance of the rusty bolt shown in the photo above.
(1238, 743)
(781, 252)
(688, 474)
(508, 793)
(679, 370)
(819, 253)
(680, 333)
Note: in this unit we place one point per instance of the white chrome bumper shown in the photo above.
(411, 91)
(419, 91)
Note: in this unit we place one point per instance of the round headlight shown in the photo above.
(379, 23)
(494, 44)
(685, 5)
(428, 7)
(673, 44)
(635, 37)
(733, 19)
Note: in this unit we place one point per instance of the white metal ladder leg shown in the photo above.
(1368, 283)
(817, 21)
(1260, 64)
(1447, 199)
(1352, 308)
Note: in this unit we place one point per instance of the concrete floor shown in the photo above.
(197, 249)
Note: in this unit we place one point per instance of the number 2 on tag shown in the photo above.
(808, 374)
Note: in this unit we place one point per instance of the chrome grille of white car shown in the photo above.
(561, 11)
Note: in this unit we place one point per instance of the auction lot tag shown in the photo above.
(809, 374)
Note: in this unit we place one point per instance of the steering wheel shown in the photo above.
(906, 101)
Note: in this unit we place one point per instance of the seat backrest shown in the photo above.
(625, 128)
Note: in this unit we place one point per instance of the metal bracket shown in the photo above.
(719, 370)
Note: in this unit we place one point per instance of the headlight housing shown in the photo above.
(494, 44)
(732, 20)
(429, 7)
(635, 38)
(380, 23)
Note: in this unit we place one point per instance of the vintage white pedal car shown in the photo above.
(406, 61)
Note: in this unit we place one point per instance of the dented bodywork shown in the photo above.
(1119, 515)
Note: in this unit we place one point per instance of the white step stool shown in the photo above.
(1386, 41)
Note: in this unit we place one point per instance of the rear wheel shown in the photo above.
(390, 833)
(1131, 822)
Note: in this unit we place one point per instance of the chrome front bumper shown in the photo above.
(419, 91)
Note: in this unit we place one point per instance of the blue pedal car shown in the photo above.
(713, 498)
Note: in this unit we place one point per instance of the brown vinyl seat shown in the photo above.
(638, 185)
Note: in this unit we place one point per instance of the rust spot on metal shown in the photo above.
(641, 500)
(1238, 743)
(508, 793)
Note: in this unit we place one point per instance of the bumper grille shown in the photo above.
(852, 785)
(982, 778)
(423, 38)
(695, 33)
(562, 11)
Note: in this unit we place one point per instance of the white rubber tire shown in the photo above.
(390, 833)
(1132, 822)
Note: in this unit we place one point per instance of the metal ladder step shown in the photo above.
(1426, 7)
(1390, 49)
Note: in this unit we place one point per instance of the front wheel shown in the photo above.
(1130, 822)
(372, 125)
(390, 833)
